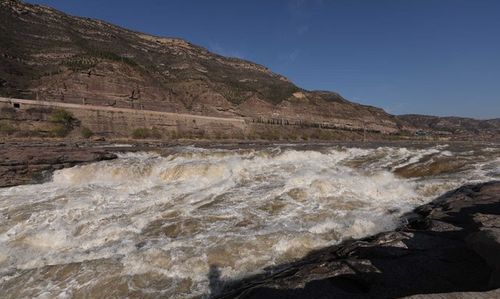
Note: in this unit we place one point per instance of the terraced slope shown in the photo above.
(49, 55)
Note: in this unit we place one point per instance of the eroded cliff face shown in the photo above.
(48, 55)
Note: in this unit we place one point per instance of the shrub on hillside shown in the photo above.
(145, 133)
(155, 133)
(64, 122)
(63, 117)
(6, 128)
(86, 132)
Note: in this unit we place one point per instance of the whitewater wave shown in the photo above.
(157, 222)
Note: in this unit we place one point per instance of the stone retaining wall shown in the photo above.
(119, 121)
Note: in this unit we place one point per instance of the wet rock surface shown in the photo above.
(28, 163)
(449, 245)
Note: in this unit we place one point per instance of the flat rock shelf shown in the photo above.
(28, 163)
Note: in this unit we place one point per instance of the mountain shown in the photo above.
(460, 126)
(48, 55)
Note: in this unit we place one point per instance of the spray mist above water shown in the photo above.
(152, 225)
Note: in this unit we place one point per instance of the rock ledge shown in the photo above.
(450, 246)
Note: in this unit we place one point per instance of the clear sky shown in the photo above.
(439, 57)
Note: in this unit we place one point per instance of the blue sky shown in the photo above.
(439, 57)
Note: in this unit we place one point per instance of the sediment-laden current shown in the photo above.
(152, 224)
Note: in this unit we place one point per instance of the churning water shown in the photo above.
(151, 225)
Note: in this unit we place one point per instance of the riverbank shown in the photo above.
(448, 245)
(28, 163)
(32, 160)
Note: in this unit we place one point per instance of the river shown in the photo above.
(153, 224)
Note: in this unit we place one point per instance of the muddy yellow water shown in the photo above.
(148, 225)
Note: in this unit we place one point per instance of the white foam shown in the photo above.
(242, 210)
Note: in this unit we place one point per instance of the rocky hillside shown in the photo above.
(49, 55)
(453, 125)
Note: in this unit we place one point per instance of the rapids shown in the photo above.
(152, 225)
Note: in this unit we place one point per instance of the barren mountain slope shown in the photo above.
(453, 125)
(49, 55)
